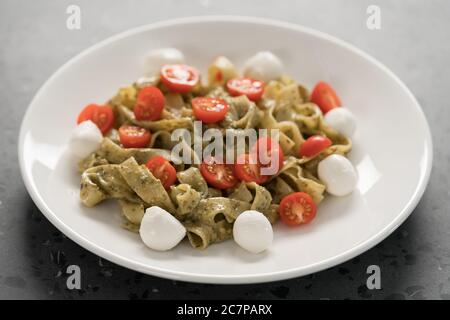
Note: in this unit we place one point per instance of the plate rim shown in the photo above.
(227, 279)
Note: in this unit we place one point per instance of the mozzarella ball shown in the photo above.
(159, 57)
(338, 174)
(85, 139)
(263, 66)
(342, 120)
(160, 230)
(252, 231)
(220, 71)
(147, 81)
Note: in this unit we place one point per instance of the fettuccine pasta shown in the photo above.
(135, 166)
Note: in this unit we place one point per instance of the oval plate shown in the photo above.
(392, 149)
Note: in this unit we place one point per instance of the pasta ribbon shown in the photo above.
(194, 178)
(291, 178)
(115, 154)
(211, 221)
(185, 198)
(114, 172)
(159, 125)
(145, 185)
(103, 182)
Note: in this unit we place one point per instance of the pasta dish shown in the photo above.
(126, 149)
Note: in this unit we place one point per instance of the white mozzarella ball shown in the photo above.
(253, 231)
(160, 230)
(159, 57)
(263, 66)
(338, 174)
(147, 81)
(342, 120)
(85, 139)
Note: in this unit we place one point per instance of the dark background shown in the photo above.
(34, 42)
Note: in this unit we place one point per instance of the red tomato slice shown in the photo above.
(266, 148)
(297, 208)
(219, 76)
(220, 176)
(162, 170)
(248, 169)
(86, 113)
(149, 104)
(325, 97)
(209, 110)
(179, 77)
(253, 89)
(314, 145)
(134, 137)
(102, 116)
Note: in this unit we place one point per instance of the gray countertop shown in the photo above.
(413, 42)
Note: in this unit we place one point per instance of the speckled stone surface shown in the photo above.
(34, 42)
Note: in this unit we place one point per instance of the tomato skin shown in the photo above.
(86, 113)
(220, 176)
(102, 116)
(134, 137)
(297, 209)
(263, 149)
(325, 97)
(179, 78)
(209, 110)
(149, 104)
(162, 170)
(248, 169)
(253, 89)
(314, 145)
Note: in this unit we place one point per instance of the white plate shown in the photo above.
(392, 149)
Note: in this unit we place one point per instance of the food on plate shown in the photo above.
(134, 136)
(314, 145)
(268, 152)
(101, 115)
(264, 66)
(218, 175)
(159, 230)
(248, 169)
(342, 120)
(209, 110)
(127, 149)
(149, 104)
(338, 174)
(159, 57)
(85, 139)
(297, 208)
(325, 97)
(251, 88)
(162, 170)
(179, 78)
(253, 231)
(220, 71)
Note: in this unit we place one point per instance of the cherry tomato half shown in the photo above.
(179, 77)
(314, 145)
(266, 148)
(220, 176)
(209, 110)
(134, 137)
(248, 169)
(162, 170)
(149, 104)
(325, 97)
(297, 208)
(102, 116)
(86, 113)
(253, 89)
